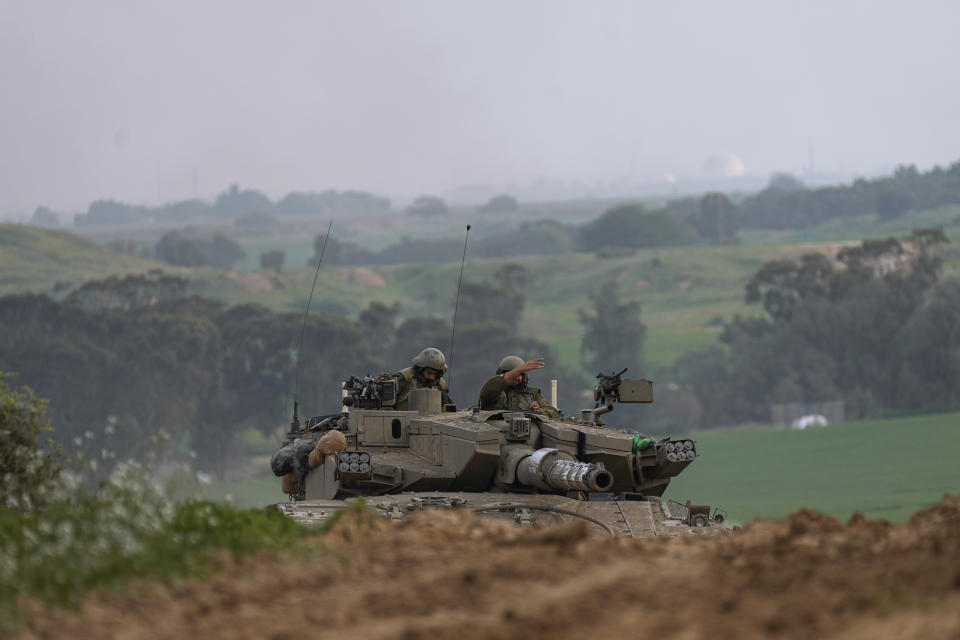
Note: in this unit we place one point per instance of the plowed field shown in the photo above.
(452, 575)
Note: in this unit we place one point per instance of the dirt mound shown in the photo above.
(253, 282)
(450, 574)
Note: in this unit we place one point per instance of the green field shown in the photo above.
(42, 260)
(864, 226)
(885, 469)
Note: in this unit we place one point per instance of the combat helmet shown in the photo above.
(509, 364)
(431, 358)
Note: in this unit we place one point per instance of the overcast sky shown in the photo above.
(149, 101)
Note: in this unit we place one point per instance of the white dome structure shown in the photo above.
(724, 165)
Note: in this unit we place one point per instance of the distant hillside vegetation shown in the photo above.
(33, 258)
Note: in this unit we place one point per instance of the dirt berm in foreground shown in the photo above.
(452, 575)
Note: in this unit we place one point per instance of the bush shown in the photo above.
(500, 204)
(98, 538)
(29, 458)
(427, 206)
(632, 226)
(272, 259)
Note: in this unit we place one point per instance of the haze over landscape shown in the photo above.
(236, 235)
(149, 103)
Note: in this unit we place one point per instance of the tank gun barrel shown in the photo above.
(554, 470)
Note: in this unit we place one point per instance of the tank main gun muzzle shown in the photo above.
(554, 470)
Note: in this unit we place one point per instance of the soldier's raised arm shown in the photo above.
(513, 376)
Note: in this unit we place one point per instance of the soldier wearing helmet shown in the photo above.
(509, 390)
(426, 373)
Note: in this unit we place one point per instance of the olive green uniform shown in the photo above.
(407, 379)
(497, 394)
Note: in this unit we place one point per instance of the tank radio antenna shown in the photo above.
(457, 303)
(295, 424)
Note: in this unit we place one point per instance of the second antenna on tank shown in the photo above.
(295, 423)
(456, 304)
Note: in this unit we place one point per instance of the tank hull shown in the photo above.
(644, 518)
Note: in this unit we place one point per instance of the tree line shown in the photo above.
(877, 328)
(140, 356)
(787, 204)
(232, 203)
(237, 204)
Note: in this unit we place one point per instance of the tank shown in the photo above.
(518, 466)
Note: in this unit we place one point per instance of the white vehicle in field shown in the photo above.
(811, 420)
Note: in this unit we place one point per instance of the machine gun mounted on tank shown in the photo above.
(370, 393)
(612, 388)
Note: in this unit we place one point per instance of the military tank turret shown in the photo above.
(522, 466)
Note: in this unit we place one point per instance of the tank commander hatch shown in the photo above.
(509, 390)
(426, 373)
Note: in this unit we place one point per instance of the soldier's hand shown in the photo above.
(535, 406)
(536, 363)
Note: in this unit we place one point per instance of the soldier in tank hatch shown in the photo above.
(426, 373)
(509, 389)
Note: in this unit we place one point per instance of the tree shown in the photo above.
(931, 348)
(500, 204)
(43, 217)
(481, 302)
(272, 259)
(176, 249)
(128, 293)
(877, 332)
(633, 226)
(427, 206)
(331, 255)
(511, 277)
(413, 334)
(892, 202)
(785, 182)
(29, 456)
(235, 203)
(613, 333)
(717, 218)
(332, 201)
(111, 212)
(780, 285)
(221, 251)
(378, 322)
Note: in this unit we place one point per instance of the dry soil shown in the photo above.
(453, 575)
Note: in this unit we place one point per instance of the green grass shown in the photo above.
(884, 469)
(863, 226)
(297, 249)
(34, 259)
(101, 539)
(259, 489)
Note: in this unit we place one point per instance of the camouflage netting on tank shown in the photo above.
(293, 457)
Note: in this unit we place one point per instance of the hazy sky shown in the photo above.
(144, 101)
